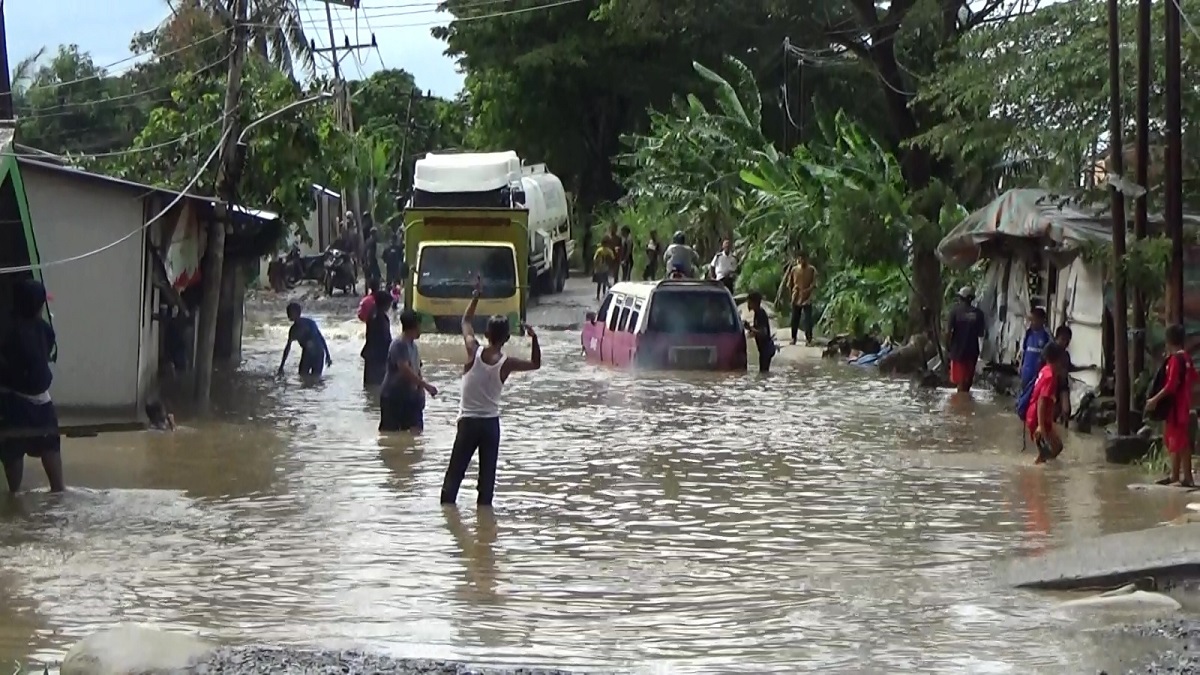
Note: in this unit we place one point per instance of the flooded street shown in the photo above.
(818, 518)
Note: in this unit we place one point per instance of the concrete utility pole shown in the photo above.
(343, 112)
(214, 259)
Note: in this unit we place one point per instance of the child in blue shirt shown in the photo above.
(1036, 339)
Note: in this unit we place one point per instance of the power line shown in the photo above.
(102, 101)
(103, 69)
(178, 198)
(432, 8)
(480, 17)
(131, 151)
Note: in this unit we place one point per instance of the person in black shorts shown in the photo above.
(402, 395)
(28, 420)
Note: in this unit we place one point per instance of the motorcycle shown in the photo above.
(339, 272)
(304, 267)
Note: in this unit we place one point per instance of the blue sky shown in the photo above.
(401, 29)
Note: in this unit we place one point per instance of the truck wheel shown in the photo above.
(545, 282)
(560, 268)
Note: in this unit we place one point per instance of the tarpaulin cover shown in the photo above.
(1055, 221)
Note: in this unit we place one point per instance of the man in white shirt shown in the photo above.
(724, 265)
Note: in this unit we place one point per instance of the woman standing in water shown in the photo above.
(379, 338)
(484, 375)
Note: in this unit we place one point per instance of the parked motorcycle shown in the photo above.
(339, 272)
(304, 267)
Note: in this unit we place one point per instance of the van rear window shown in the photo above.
(692, 311)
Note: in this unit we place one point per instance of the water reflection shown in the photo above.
(819, 519)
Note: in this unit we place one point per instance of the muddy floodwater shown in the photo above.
(816, 519)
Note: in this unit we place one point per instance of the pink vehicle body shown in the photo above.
(666, 325)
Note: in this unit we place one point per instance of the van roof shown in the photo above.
(643, 289)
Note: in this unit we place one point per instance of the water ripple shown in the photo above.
(816, 518)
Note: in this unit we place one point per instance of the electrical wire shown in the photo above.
(434, 7)
(378, 52)
(495, 15)
(131, 151)
(102, 70)
(102, 101)
(1186, 21)
(178, 198)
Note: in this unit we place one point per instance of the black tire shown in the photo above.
(560, 268)
(544, 285)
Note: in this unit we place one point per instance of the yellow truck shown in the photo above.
(446, 249)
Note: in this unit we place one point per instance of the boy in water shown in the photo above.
(1043, 405)
(602, 264)
(1035, 340)
(760, 330)
(314, 353)
(1177, 394)
(402, 394)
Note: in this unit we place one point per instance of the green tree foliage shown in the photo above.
(565, 91)
(69, 104)
(842, 198)
(285, 155)
(1029, 97)
(866, 58)
(398, 124)
(276, 30)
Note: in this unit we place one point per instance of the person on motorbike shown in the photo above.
(681, 258)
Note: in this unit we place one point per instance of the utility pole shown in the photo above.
(1174, 157)
(6, 102)
(344, 116)
(214, 260)
(1116, 153)
(1142, 175)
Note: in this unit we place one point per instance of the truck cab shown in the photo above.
(444, 275)
(499, 180)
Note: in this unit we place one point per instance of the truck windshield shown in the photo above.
(692, 311)
(450, 271)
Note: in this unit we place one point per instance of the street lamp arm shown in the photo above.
(291, 106)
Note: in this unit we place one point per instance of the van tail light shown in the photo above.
(739, 357)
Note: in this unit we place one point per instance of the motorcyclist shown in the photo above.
(680, 257)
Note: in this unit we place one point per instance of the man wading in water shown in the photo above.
(486, 370)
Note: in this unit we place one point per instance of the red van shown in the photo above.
(667, 325)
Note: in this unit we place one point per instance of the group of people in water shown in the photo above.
(1045, 365)
(393, 364)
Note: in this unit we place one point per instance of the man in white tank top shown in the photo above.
(486, 370)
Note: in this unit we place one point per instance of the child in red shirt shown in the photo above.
(1043, 405)
(1177, 390)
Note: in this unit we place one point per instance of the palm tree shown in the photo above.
(24, 72)
(276, 29)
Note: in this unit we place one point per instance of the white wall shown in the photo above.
(98, 301)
